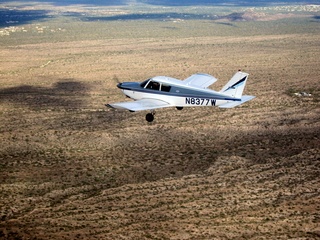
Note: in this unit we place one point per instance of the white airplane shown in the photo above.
(161, 91)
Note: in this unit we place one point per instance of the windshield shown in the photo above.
(144, 83)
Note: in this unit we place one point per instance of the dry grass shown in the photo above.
(70, 168)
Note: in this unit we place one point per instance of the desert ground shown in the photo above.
(73, 169)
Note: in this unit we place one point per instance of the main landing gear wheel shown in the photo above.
(150, 117)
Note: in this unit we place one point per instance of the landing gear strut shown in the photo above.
(150, 116)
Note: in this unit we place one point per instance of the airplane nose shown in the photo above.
(119, 85)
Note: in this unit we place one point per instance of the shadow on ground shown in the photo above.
(151, 16)
(234, 17)
(65, 94)
(9, 17)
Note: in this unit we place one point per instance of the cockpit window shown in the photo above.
(150, 84)
(153, 85)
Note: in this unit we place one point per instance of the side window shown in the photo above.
(165, 88)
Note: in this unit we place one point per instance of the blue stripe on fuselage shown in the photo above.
(180, 92)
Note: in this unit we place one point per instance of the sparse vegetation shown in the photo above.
(72, 169)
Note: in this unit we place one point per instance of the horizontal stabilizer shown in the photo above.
(140, 105)
(232, 104)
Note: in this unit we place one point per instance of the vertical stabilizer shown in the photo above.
(235, 86)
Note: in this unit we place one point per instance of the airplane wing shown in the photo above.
(140, 105)
(200, 80)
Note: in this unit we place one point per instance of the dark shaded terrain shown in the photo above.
(68, 94)
(14, 17)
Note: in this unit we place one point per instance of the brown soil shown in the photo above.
(73, 169)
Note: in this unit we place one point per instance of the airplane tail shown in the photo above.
(235, 86)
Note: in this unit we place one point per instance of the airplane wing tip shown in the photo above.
(109, 105)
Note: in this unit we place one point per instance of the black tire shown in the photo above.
(179, 108)
(149, 117)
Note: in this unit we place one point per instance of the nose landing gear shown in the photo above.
(150, 116)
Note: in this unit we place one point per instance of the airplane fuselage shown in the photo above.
(173, 100)
(181, 96)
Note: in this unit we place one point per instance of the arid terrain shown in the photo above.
(70, 168)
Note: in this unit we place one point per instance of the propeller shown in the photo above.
(116, 79)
